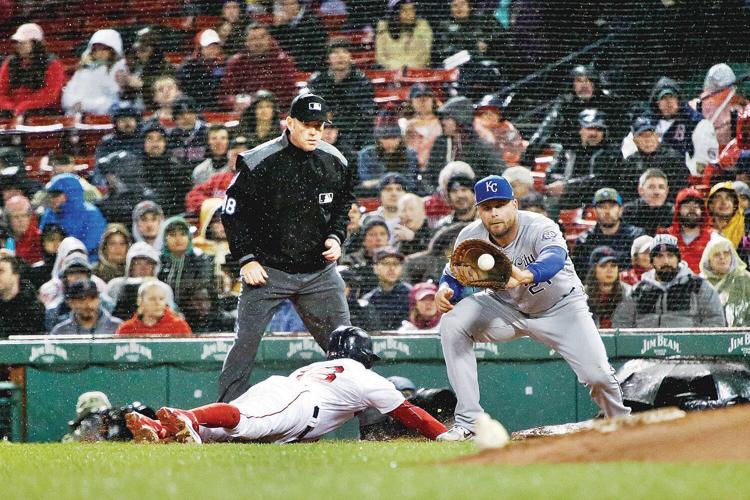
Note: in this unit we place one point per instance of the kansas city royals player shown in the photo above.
(544, 300)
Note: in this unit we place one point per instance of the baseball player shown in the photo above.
(285, 215)
(312, 401)
(544, 300)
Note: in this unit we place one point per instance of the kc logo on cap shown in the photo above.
(493, 187)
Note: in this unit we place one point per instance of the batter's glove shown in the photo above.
(465, 268)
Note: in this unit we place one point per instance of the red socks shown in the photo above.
(217, 415)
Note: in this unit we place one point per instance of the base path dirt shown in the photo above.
(710, 436)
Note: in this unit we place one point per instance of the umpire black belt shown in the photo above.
(316, 412)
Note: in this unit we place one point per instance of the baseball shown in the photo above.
(486, 262)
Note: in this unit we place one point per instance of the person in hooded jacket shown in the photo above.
(80, 219)
(675, 119)
(147, 219)
(669, 296)
(113, 250)
(459, 142)
(691, 226)
(181, 264)
(95, 85)
(142, 263)
(727, 218)
(74, 267)
(724, 269)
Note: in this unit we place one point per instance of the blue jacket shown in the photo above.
(78, 218)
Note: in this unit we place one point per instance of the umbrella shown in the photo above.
(695, 383)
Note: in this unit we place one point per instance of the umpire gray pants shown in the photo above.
(318, 298)
(567, 328)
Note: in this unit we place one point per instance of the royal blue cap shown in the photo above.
(492, 187)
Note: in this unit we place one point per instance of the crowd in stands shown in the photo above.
(122, 234)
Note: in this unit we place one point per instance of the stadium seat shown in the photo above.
(174, 58)
(382, 76)
(427, 75)
(92, 119)
(220, 117)
(333, 22)
(205, 22)
(369, 204)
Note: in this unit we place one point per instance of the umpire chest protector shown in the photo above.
(284, 202)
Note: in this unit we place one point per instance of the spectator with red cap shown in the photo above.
(423, 313)
(30, 79)
(691, 226)
(21, 221)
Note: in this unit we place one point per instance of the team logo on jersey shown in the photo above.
(314, 106)
(491, 186)
(48, 353)
(550, 234)
(523, 260)
(324, 198)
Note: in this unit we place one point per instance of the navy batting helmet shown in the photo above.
(353, 343)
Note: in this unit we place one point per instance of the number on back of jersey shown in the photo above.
(230, 204)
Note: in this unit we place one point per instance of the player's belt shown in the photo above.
(316, 411)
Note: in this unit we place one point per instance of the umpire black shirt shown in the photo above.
(285, 202)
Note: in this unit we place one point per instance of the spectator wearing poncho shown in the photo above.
(724, 269)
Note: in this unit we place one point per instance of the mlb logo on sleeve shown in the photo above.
(324, 198)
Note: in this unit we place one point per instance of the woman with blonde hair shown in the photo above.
(95, 86)
(724, 269)
(404, 39)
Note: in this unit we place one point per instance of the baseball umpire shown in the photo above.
(285, 216)
(543, 300)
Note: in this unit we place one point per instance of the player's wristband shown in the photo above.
(454, 285)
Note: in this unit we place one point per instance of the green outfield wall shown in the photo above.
(523, 383)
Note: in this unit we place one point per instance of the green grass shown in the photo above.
(333, 470)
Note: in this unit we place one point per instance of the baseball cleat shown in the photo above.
(144, 429)
(456, 433)
(181, 424)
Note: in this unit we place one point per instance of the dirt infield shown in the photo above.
(710, 436)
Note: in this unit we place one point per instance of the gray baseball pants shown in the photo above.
(567, 328)
(318, 298)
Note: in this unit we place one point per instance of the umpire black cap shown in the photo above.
(310, 108)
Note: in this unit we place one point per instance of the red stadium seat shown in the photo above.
(382, 76)
(428, 75)
(205, 22)
(91, 119)
(369, 204)
(174, 58)
(333, 22)
(385, 96)
(220, 117)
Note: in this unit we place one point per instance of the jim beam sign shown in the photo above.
(660, 345)
(48, 353)
(390, 348)
(216, 351)
(739, 344)
(132, 352)
(303, 349)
